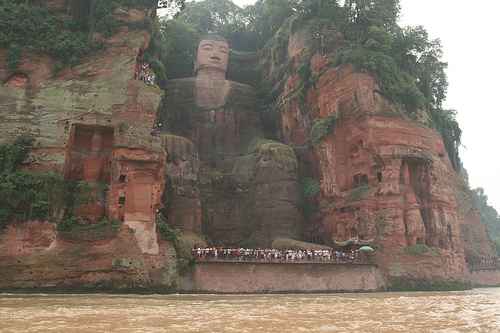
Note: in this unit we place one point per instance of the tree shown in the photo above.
(278, 11)
(256, 20)
(489, 214)
(421, 58)
(173, 44)
(451, 133)
(366, 13)
(209, 15)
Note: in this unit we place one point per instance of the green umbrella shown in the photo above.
(366, 249)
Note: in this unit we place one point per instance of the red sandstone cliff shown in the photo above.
(91, 122)
(413, 195)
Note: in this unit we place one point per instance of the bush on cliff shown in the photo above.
(322, 129)
(4, 217)
(184, 256)
(358, 193)
(311, 189)
(26, 195)
(21, 192)
(104, 229)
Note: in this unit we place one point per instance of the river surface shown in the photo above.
(476, 310)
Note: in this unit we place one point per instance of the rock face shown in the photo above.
(92, 123)
(381, 176)
(216, 177)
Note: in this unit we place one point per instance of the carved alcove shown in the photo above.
(414, 181)
(88, 160)
(18, 79)
(89, 150)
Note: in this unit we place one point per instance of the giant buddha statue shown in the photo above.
(219, 116)
(212, 122)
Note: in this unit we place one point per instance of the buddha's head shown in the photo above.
(212, 57)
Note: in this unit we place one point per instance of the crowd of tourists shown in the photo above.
(277, 255)
(155, 131)
(143, 74)
(488, 263)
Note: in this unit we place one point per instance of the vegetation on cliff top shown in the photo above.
(27, 26)
(489, 214)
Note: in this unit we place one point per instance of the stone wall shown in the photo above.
(271, 277)
(485, 277)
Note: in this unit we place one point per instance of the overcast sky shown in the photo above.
(469, 35)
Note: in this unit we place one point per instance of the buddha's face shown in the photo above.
(212, 55)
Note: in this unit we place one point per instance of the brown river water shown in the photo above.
(476, 310)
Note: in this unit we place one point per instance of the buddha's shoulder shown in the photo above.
(240, 88)
(186, 81)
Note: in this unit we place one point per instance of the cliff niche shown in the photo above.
(320, 152)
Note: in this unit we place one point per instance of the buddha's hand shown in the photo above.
(281, 154)
(178, 149)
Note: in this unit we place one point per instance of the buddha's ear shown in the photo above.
(194, 58)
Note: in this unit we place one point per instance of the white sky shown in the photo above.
(468, 32)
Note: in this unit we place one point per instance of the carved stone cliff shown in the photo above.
(382, 176)
(92, 123)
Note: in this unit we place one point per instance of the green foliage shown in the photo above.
(395, 84)
(23, 193)
(255, 144)
(14, 56)
(496, 242)
(66, 224)
(358, 193)
(451, 133)
(383, 223)
(418, 250)
(184, 256)
(207, 16)
(121, 126)
(24, 25)
(489, 215)
(12, 156)
(40, 209)
(310, 187)
(322, 129)
(108, 26)
(279, 51)
(304, 71)
(244, 75)
(5, 215)
(172, 44)
(144, 24)
(139, 4)
(104, 229)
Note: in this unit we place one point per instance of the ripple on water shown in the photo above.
(477, 310)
